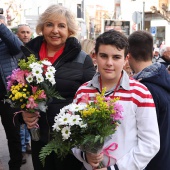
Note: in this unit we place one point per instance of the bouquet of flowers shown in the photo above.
(31, 86)
(85, 126)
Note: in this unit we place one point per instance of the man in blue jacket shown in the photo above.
(156, 78)
(9, 52)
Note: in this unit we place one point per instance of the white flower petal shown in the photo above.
(46, 62)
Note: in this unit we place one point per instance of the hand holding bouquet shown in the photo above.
(31, 86)
(85, 126)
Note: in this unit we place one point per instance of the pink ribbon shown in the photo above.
(111, 147)
(15, 115)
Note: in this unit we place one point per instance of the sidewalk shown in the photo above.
(4, 154)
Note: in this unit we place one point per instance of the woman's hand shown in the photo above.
(30, 119)
(94, 159)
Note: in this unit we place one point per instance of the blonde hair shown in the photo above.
(87, 45)
(55, 11)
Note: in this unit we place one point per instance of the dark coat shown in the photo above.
(157, 80)
(10, 51)
(72, 71)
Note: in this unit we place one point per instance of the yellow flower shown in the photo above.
(24, 95)
(23, 106)
(20, 85)
(17, 96)
(14, 91)
(35, 96)
(13, 98)
(86, 113)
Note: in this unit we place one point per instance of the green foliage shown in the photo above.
(50, 91)
(24, 65)
(96, 123)
(46, 150)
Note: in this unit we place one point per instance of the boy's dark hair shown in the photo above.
(112, 37)
(141, 45)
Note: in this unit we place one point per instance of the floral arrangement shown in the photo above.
(31, 85)
(83, 126)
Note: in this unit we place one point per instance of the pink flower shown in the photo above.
(117, 115)
(42, 95)
(34, 89)
(84, 98)
(31, 104)
(17, 75)
(107, 99)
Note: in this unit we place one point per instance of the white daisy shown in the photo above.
(56, 127)
(29, 78)
(52, 81)
(46, 62)
(75, 120)
(82, 125)
(37, 71)
(49, 75)
(75, 108)
(39, 79)
(66, 132)
(51, 69)
(35, 65)
(65, 119)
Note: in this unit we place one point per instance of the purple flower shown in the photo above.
(117, 115)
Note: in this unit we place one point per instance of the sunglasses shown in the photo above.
(20, 25)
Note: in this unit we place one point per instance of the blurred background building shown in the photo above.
(95, 17)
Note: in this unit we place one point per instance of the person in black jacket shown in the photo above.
(74, 67)
(156, 78)
(9, 52)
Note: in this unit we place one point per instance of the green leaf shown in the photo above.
(46, 150)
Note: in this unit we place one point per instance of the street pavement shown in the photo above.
(4, 154)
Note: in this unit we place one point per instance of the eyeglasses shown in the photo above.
(23, 25)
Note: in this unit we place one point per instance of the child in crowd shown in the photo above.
(137, 136)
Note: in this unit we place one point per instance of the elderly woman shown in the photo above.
(57, 28)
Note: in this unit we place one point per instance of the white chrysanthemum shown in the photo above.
(42, 106)
(39, 79)
(49, 75)
(52, 81)
(46, 62)
(56, 118)
(80, 107)
(37, 71)
(51, 69)
(29, 78)
(56, 127)
(75, 120)
(62, 111)
(75, 108)
(64, 119)
(82, 125)
(66, 132)
(35, 65)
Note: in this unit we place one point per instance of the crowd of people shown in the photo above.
(128, 67)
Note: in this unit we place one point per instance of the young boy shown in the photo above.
(137, 136)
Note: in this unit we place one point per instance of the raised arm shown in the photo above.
(10, 39)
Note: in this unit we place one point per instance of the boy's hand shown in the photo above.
(94, 159)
